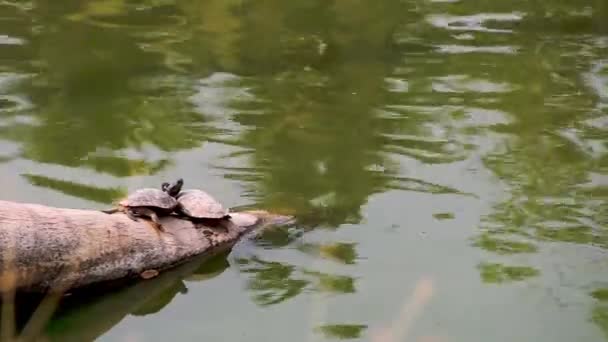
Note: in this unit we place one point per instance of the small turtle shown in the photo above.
(148, 203)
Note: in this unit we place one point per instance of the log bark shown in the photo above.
(53, 249)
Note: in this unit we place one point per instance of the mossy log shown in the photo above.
(52, 249)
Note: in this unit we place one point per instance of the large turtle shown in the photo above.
(147, 203)
(195, 203)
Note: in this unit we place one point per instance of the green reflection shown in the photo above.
(548, 148)
(599, 311)
(89, 192)
(124, 167)
(339, 251)
(600, 294)
(342, 331)
(333, 283)
(599, 316)
(498, 273)
(443, 216)
(318, 140)
(327, 103)
(271, 282)
(502, 246)
(275, 237)
(106, 94)
(574, 234)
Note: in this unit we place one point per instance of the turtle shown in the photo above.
(147, 202)
(195, 203)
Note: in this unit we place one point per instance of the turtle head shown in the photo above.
(174, 189)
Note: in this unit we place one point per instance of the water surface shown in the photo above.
(447, 160)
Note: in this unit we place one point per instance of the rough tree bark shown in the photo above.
(57, 249)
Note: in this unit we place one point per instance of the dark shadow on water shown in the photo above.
(87, 314)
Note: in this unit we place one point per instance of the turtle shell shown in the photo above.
(150, 197)
(199, 204)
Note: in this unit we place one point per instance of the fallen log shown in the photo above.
(48, 249)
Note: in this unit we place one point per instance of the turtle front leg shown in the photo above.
(132, 214)
(147, 212)
(156, 221)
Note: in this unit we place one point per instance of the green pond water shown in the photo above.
(447, 161)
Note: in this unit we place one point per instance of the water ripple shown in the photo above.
(7, 40)
(397, 85)
(216, 92)
(454, 48)
(597, 81)
(473, 22)
(12, 103)
(464, 83)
